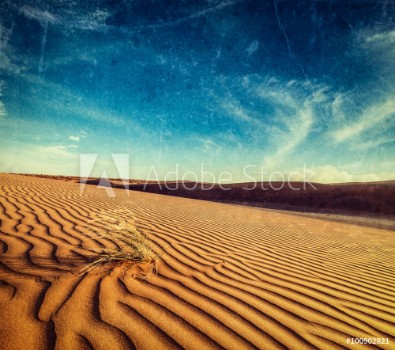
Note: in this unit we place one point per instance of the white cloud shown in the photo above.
(371, 118)
(208, 145)
(229, 137)
(41, 16)
(376, 142)
(252, 48)
(6, 51)
(94, 21)
(336, 108)
(74, 138)
(86, 109)
(381, 49)
(3, 112)
(295, 116)
(242, 114)
(386, 38)
(278, 116)
(5, 35)
(332, 174)
(30, 158)
(57, 151)
(298, 129)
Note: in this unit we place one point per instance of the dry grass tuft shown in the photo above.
(132, 249)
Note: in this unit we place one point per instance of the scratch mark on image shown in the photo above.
(41, 68)
(283, 30)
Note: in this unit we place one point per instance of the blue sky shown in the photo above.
(290, 87)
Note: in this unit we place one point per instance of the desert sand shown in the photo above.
(229, 277)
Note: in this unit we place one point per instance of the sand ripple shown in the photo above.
(230, 277)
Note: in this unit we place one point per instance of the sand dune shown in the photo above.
(230, 277)
(374, 199)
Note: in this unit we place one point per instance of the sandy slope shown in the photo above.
(230, 277)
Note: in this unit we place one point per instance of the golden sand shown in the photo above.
(229, 277)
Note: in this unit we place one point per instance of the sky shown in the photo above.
(215, 90)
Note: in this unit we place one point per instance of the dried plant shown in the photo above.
(132, 249)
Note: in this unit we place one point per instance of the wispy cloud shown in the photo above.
(208, 145)
(278, 116)
(94, 21)
(371, 118)
(252, 48)
(295, 120)
(230, 138)
(41, 16)
(3, 112)
(54, 151)
(33, 158)
(333, 174)
(221, 5)
(74, 104)
(7, 52)
(74, 138)
(240, 114)
(296, 131)
(373, 144)
(386, 38)
(380, 46)
(5, 34)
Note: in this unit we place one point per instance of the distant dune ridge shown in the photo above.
(358, 198)
(353, 198)
(229, 277)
